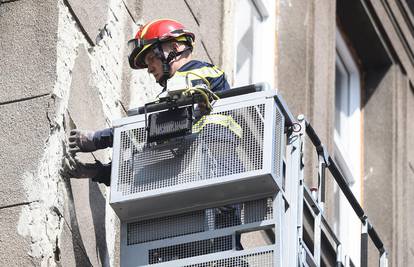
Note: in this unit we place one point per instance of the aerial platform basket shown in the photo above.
(211, 167)
(198, 238)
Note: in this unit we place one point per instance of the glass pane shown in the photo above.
(247, 20)
(342, 97)
(337, 100)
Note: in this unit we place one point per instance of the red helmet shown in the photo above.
(156, 32)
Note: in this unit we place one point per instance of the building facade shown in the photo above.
(348, 65)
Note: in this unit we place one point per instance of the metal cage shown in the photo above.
(211, 167)
(187, 201)
(206, 237)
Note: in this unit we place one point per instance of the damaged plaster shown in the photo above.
(106, 61)
(39, 220)
(42, 220)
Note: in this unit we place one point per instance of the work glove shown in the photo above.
(98, 172)
(81, 141)
(73, 168)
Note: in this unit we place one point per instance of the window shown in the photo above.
(254, 42)
(347, 132)
(347, 141)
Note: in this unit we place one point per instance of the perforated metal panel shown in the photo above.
(190, 249)
(198, 233)
(212, 165)
(260, 259)
(214, 152)
(199, 221)
(278, 142)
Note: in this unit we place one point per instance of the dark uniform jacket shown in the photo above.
(194, 70)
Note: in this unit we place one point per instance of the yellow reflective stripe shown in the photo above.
(181, 39)
(206, 71)
(219, 119)
(145, 29)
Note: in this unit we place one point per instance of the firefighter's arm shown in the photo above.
(89, 141)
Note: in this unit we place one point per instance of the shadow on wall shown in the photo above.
(97, 204)
(79, 251)
(373, 57)
(83, 249)
(372, 80)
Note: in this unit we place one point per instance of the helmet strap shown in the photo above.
(166, 67)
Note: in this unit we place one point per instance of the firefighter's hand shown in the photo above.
(81, 141)
(203, 108)
(73, 168)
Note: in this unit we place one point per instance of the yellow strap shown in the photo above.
(206, 72)
(219, 119)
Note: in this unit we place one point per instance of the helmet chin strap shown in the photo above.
(166, 66)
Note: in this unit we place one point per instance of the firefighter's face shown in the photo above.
(154, 65)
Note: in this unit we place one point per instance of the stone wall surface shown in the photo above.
(27, 48)
(24, 128)
(14, 248)
(410, 173)
(77, 76)
(92, 17)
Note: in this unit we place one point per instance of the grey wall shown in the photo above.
(27, 74)
(378, 155)
(305, 71)
(64, 66)
(305, 74)
(409, 167)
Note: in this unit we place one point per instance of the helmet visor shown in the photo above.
(135, 47)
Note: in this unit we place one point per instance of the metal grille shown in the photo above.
(199, 221)
(131, 141)
(190, 249)
(165, 227)
(279, 129)
(214, 152)
(260, 259)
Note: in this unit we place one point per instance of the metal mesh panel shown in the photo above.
(214, 152)
(190, 249)
(165, 227)
(279, 129)
(260, 259)
(199, 221)
(131, 141)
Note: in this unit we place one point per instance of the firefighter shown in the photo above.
(164, 47)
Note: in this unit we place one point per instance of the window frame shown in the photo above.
(263, 65)
(347, 152)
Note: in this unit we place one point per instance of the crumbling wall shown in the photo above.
(27, 75)
(67, 81)
(72, 223)
(64, 66)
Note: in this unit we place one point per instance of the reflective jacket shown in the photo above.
(192, 69)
